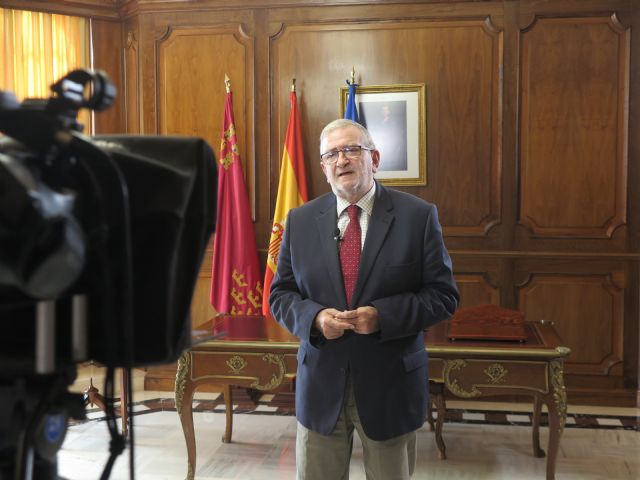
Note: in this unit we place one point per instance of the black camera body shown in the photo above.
(101, 241)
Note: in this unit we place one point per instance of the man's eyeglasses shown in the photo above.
(352, 152)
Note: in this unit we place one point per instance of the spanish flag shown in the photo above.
(236, 288)
(292, 192)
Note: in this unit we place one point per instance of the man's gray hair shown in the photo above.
(344, 123)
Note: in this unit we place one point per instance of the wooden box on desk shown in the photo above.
(487, 322)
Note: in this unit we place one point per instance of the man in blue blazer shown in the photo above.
(362, 363)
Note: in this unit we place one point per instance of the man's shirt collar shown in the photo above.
(365, 203)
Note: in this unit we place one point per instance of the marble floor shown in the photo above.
(263, 446)
(263, 449)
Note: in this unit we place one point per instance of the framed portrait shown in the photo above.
(396, 118)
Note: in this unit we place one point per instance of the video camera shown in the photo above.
(101, 241)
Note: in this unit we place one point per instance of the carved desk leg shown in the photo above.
(537, 408)
(437, 390)
(432, 427)
(92, 396)
(124, 402)
(557, 404)
(184, 406)
(228, 406)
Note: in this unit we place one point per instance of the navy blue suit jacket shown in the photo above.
(405, 273)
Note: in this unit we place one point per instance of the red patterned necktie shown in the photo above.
(350, 251)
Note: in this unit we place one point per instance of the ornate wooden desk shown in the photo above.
(257, 353)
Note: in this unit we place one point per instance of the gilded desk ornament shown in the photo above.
(456, 389)
(276, 378)
(559, 391)
(237, 364)
(496, 373)
(184, 365)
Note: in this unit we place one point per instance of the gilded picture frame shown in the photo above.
(395, 115)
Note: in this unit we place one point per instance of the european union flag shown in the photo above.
(351, 111)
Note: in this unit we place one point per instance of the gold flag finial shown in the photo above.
(227, 83)
(353, 75)
(293, 85)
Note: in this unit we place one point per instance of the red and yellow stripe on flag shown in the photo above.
(236, 288)
(292, 192)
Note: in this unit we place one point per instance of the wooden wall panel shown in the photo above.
(463, 95)
(201, 309)
(107, 56)
(513, 226)
(192, 63)
(476, 289)
(587, 311)
(574, 126)
(132, 82)
(529, 108)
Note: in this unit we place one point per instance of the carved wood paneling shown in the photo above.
(531, 186)
(107, 56)
(573, 152)
(201, 309)
(132, 84)
(588, 313)
(476, 289)
(463, 99)
(192, 63)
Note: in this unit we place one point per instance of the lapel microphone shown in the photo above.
(336, 235)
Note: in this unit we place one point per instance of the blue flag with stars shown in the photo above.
(351, 112)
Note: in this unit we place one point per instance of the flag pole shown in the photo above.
(293, 85)
(227, 83)
(351, 111)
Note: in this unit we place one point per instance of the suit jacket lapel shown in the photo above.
(381, 220)
(326, 221)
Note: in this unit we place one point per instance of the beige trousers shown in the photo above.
(320, 457)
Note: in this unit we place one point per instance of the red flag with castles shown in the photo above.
(236, 286)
